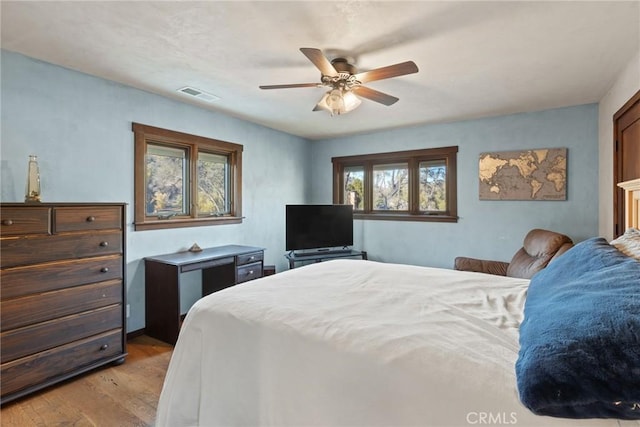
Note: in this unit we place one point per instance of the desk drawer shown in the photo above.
(24, 220)
(43, 336)
(251, 257)
(249, 272)
(86, 218)
(57, 362)
(206, 264)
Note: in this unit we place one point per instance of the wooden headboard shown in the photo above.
(631, 203)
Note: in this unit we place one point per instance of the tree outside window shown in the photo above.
(391, 187)
(166, 172)
(433, 186)
(354, 187)
(213, 184)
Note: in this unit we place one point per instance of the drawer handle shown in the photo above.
(104, 270)
(250, 272)
(91, 218)
(104, 244)
(251, 258)
(103, 347)
(7, 222)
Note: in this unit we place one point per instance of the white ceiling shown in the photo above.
(476, 59)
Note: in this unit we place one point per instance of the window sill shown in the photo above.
(405, 217)
(182, 223)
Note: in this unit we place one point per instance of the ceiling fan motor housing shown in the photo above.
(342, 66)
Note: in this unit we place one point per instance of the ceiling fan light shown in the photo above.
(328, 104)
(335, 101)
(338, 101)
(351, 101)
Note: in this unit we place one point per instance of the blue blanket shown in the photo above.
(580, 338)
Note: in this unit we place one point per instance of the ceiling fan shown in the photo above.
(345, 82)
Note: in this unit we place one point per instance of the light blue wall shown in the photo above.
(80, 128)
(486, 229)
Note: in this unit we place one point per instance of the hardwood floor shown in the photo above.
(123, 395)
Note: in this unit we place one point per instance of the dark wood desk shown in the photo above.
(293, 258)
(221, 267)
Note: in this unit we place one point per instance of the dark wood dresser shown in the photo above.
(62, 292)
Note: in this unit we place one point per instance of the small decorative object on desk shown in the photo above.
(195, 248)
(32, 193)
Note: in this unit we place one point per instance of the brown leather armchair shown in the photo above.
(540, 247)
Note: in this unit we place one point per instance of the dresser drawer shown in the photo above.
(18, 312)
(249, 258)
(249, 272)
(25, 220)
(41, 367)
(86, 218)
(21, 281)
(43, 336)
(37, 249)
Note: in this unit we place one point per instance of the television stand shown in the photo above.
(320, 256)
(323, 251)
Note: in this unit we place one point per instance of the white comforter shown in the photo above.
(353, 343)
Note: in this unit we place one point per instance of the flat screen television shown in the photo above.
(319, 227)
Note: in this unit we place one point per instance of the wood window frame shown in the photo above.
(413, 159)
(143, 135)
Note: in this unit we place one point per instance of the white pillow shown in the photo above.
(629, 243)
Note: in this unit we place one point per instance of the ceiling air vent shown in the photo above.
(197, 93)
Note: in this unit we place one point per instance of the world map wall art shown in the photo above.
(539, 174)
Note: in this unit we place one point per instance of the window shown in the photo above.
(417, 185)
(391, 187)
(354, 187)
(433, 186)
(184, 180)
(166, 171)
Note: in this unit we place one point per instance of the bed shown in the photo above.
(363, 343)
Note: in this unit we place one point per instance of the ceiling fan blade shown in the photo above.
(396, 70)
(291, 86)
(375, 95)
(320, 61)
